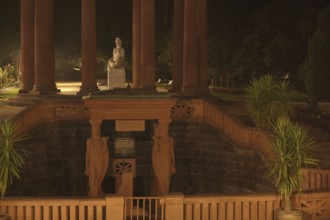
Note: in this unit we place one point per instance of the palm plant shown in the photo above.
(11, 159)
(267, 99)
(293, 150)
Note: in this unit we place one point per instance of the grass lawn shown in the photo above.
(8, 92)
(240, 96)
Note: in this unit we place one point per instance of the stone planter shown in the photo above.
(293, 215)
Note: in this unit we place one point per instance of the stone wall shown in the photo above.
(56, 161)
(206, 162)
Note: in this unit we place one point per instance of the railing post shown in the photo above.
(174, 206)
(115, 207)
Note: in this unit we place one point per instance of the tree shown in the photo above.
(317, 66)
(279, 41)
(229, 23)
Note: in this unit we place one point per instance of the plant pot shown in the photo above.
(4, 217)
(293, 215)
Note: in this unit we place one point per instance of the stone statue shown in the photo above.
(116, 69)
(118, 56)
(163, 160)
(97, 161)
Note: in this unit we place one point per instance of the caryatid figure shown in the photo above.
(163, 160)
(97, 162)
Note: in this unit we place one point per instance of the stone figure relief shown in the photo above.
(163, 160)
(118, 56)
(97, 162)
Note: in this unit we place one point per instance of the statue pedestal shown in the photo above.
(116, 78)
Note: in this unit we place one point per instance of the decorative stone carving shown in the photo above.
(69, 112)
(181, 111)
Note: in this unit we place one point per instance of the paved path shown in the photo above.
(8, 111)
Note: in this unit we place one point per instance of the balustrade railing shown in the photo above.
(50, 111)
(316, 206)
(316, 179)
(244, 136)
(144, 208)
(54, 208)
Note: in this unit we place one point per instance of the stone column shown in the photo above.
(203, 85)
(44, 48)
(194, 48)
(88, 47)
(136, 43)
(147, 47)
(27, 46)
(144, 44)
(177, 75)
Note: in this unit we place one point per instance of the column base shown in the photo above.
(25, 88)
(44, 90)
(86, 89)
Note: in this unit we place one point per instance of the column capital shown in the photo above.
(96, 127)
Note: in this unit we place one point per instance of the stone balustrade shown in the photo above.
(316, 206)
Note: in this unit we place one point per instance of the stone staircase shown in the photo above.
(208, 162)
(321, 134)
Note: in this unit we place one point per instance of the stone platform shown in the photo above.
(116, 78)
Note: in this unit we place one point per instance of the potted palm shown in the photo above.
(293, 151)
(11, 159)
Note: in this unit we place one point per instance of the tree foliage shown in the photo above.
(279, 41)
(8, 75)
(11, 159)
(317, 65)
(268, 99)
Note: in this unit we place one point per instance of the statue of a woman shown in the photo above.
(163, 161)
(97, 161)
(118, 56)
